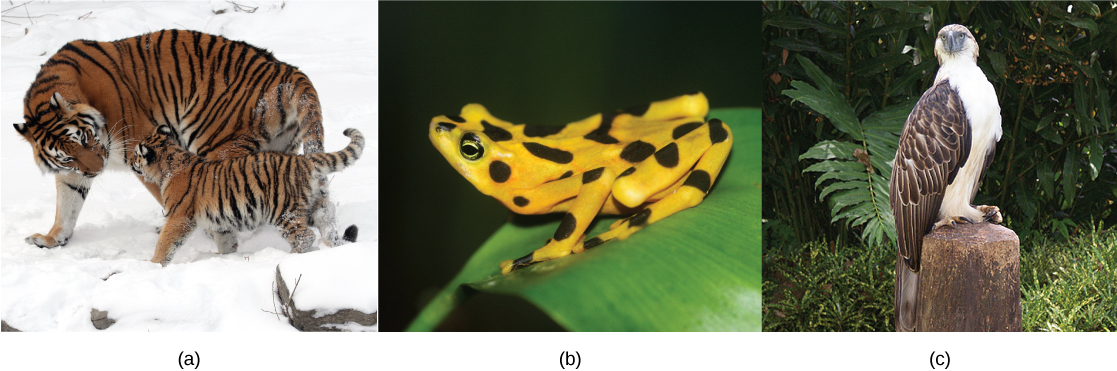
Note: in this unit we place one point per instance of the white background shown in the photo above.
(335, 45)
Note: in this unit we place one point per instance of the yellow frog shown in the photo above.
(649, 161)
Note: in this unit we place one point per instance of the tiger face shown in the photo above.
(67, 137)
(149, 155)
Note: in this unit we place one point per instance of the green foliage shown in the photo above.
(859, 193)
(1071, 286)
(819, 288)
(842, 76)
(697, 270)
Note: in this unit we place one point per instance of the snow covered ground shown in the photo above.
(106, 264)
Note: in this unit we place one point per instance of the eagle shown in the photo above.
(947, 142)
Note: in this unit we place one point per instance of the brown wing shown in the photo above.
(935, 142)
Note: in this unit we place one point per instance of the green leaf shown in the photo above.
(789, 22)
(1050, 134)
(829, 149)
(838, 170)
(820, 78)
(1095, 157)
(1054, 44)
(1102, 106)
(826, 99)
(1046, 177)
(903, 7)
(912, 76)
(697, 270)
(890, 118)
(1025, 14)
(890, 29)
(854, 197)
(1046, 120)
(1070, 178)
(881, 64)
(1083, 23)
(1091, 8)
(798, 45)
(997, 60)
(838, 186)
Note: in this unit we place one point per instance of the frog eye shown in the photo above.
(471, 147)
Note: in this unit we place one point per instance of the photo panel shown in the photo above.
(247, 94)
(534, 67)
(939, 166)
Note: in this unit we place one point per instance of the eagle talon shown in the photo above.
(952, 221)
(992, 213)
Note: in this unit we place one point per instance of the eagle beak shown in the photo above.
(955, 40)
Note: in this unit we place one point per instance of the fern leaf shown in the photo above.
(853, 175)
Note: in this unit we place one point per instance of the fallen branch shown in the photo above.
(242, 8)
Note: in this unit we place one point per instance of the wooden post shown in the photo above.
(970, 280)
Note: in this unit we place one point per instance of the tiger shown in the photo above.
(239, 193)
(92, 101)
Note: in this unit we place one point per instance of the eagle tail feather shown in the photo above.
(906, 299)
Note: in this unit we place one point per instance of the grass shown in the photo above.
(1072, 285)
(1066, 285)
(822, 288)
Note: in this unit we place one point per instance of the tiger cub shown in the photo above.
(237, 194)
(92, 101)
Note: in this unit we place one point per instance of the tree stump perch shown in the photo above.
(970, 280)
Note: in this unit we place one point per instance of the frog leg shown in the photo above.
(692, 105)
(553, 196)
(595, 188)
(688, 194)
(669, 163)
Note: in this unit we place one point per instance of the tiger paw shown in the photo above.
(43, 241)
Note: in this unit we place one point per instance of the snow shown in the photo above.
(105, 265)
(317, 280)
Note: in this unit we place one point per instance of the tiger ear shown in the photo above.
(167, 131)
(57, 101)
(21, 128)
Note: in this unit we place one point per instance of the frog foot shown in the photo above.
(553, 249)
(508, 266)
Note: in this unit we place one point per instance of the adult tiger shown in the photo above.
(92, 101)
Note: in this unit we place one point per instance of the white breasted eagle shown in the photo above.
(947, 142)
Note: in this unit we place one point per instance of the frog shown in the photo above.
(646, 163)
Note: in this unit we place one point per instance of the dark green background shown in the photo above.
(540, 63)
